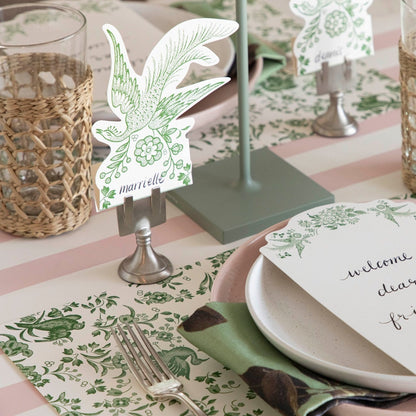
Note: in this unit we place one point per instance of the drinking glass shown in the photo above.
(45, 120)
(408, 25)
(407, 58)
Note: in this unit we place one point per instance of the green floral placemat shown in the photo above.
(67, 352)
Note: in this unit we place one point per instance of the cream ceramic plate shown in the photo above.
(229, 286)
(308, 333)
(220, 101)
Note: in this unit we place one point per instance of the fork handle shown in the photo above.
(189, 403)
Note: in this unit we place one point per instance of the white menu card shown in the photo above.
(359, 261)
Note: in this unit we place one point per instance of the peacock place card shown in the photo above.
(148, 144)
(334, 31)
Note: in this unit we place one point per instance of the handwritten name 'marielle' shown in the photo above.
(149, 182)
(371, 266)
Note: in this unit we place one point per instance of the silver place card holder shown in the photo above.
(334, 80)
(144, 266)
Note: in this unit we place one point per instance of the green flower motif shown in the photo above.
(298, 122)
(118, 361)
(158, 297)
(336, 23)
(12, 347)
(33, 376)
(164, 336)
(148, 150)
(335, 217)
(279, 83)
(121, 402)
(331, 218)
(125, 319)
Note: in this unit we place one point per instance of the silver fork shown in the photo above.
(149, 369)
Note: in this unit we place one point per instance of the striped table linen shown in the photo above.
(364, 167)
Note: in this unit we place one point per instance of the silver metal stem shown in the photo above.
(144, 266)
(335, 122)
(333, 80)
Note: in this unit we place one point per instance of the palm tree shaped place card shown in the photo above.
(148, 145)
(334, 30)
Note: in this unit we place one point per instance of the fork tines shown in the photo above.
(141, 357)
(149, 369)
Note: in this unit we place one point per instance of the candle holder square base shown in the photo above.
(230, 212)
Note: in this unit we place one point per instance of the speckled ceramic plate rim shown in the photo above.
(263, 314)
(229, 286)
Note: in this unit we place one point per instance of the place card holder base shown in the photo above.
(242, 195)
(144, 266)
(333, 80)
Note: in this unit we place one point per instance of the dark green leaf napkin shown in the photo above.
(226, 332)
(272, 60)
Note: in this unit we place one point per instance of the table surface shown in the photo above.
(42, 274)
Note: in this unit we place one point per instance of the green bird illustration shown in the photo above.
(55, 328)
(390, 212)
(284, 242)
(307, 8)
(152, 100)
(176, 360)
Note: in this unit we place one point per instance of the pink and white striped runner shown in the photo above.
(364, 167)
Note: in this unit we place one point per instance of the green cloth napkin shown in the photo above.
(272, 60)
(226, 332)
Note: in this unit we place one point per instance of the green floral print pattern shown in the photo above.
(148, 150)
(80, 370)
(302, 229)
(335, 23)
(333, 30)
(148, 106)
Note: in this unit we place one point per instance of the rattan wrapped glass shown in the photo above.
(407, 59)
(45, 143)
